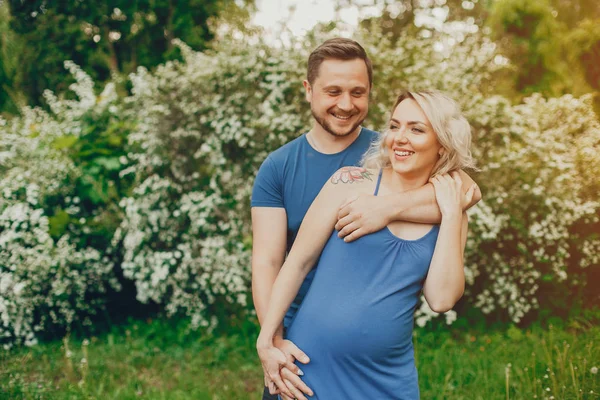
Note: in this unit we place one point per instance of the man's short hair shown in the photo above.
(337, 49)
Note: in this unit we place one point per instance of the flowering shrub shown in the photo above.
(534, 240)
(50, 275)
(204, 127)
(163, 191)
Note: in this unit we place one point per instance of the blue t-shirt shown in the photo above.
(292, 176)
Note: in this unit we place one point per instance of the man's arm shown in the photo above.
(269, 235)
(269, 225)
(366, 213)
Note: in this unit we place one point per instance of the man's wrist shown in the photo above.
(278, 340)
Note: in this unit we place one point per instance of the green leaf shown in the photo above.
(58, 223)
(109, 163)
(64, 142)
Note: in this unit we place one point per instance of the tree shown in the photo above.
(554, 45)
(113, 37)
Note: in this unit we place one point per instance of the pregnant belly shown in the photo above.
(346, 324)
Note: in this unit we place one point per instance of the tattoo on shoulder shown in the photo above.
(351, 175)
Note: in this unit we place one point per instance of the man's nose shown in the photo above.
(345, 102)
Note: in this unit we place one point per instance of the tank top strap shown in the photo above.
(378, 182)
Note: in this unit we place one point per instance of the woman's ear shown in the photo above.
(441, 151)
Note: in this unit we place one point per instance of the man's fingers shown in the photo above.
(343, 210)
(281, 385)
(348, 229)
(360, 232)
(296, 381)
(299, 354)
(343, 222)
(297, 393)
(272, 387)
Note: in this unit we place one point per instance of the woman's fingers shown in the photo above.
(469, 195)
(456, 176)
(298, 354)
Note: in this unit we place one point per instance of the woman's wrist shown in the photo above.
(452, 215)
(264, 341)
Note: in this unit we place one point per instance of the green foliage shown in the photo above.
(106, 38)
(161, 359)
(551, 45)
(154, 186)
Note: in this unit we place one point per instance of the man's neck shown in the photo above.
(326, 143)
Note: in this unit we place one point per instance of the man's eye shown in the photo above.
(394, 127)
(333, 92)
(357, 94)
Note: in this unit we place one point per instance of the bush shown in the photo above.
(54, 270)
(158, 183)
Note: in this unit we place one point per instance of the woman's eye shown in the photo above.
(418, 130)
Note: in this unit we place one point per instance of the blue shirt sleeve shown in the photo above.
(268, 187)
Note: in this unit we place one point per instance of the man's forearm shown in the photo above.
(262, 285)
(417, 205)
(420, 205)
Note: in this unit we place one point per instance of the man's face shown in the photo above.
(339, 96)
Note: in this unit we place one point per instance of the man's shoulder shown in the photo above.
(370, 134)
(281, 154)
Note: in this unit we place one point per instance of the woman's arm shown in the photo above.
(315, 230)
(445, 281)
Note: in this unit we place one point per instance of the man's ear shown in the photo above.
(308, 90)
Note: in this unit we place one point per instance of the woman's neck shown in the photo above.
(397, 182)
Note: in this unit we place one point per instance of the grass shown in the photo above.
(154, 360)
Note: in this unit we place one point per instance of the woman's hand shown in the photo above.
(273, 360)
(449, 195)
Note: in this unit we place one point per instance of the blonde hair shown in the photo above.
(450, 126)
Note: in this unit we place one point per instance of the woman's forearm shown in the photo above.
(284, 291)
(446, 280)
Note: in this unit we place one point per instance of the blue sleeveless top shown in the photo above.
(356, 320)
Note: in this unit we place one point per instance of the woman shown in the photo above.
(356, 320)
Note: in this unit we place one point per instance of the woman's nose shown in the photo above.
(400, 135)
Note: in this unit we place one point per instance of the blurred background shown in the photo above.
(130, 135)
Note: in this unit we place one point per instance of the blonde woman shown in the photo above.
(356, 320)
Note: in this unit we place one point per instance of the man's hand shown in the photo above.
(292, 380)
(361, 215)
(281, 374)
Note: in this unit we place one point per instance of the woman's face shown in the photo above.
(411, 141)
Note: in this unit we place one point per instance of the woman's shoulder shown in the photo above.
(353, 175)
(353, 179)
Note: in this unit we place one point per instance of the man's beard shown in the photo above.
(325, 125)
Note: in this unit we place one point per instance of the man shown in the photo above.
(338, 84)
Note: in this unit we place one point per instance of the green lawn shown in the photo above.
(152, 360)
